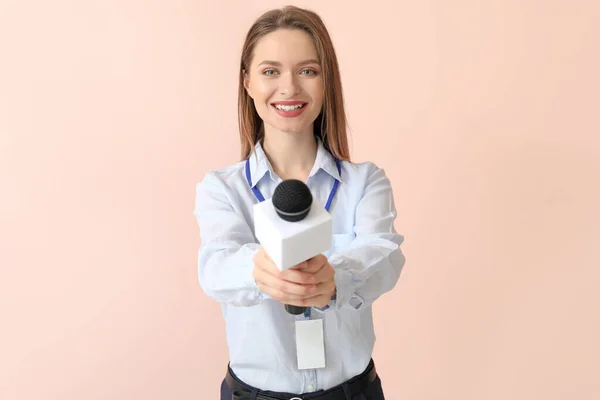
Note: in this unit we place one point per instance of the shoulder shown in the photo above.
(362, 167)
(221, 179)
(362, 172)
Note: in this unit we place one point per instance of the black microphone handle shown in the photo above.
(295, 310)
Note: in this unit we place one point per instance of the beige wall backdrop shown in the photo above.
(484, 115)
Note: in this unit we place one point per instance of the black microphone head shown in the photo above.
(292, 200)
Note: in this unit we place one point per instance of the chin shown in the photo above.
(293, 130)
(293, 127)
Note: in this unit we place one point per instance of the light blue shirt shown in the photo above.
(365, 254)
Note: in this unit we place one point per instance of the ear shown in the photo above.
(246, 82)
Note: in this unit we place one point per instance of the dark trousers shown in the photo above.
(372, 392)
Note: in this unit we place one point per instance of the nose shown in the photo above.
(288, 84)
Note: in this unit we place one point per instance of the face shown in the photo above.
(285, 81)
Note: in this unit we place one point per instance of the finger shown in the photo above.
(284, 286)
(301, 266)
(325, 274)
(286, 298)
(325, 288)
(298, 276)
(291, 275)
(315, 263)
(278, 294)
(267, 272)
(266, 255)
(265, 263)
(264, 259)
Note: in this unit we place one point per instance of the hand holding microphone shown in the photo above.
(294, 230)
(308, 284)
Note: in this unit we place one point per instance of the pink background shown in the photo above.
(483, 114)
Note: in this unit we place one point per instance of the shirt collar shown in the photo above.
(325, 161)
(260, 165)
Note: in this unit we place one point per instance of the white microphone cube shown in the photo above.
(290, 243)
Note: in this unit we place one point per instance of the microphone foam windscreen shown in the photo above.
(292, 199)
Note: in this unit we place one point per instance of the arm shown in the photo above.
(225, 256)
(371, 264)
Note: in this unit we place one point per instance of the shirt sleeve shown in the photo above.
(227, 248)
(371, 264)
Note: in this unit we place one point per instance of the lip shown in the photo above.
(288, 102)
(289, 114)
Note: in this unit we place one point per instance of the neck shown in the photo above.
(291, 155)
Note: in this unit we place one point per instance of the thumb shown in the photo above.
(265, 254)
(301, 266)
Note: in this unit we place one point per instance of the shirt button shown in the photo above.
(310, 387)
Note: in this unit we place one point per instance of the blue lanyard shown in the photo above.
(260, 197)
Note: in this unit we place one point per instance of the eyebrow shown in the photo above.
(278, 64)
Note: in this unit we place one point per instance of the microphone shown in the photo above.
(292, 200)
(292, 227)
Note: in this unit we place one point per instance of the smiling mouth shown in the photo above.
(294, 107)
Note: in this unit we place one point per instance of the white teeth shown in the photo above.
(289, 108)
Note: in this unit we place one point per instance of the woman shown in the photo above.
(293, 126)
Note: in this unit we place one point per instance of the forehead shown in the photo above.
(286, 46)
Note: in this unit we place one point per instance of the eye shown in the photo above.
(308, 72)
(269, 72)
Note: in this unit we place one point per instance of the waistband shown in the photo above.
(353, 386)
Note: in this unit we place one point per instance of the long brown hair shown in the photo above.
(331, 123)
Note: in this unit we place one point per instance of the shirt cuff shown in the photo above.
(261, 295)
(331, 304)
(346, 295)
